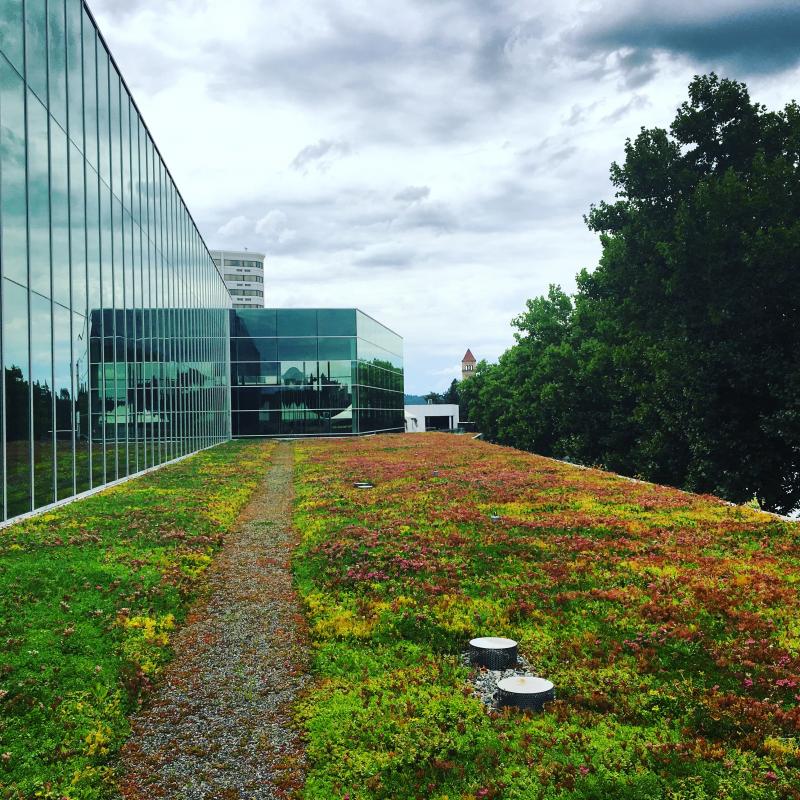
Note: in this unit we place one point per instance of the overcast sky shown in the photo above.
(428, 161)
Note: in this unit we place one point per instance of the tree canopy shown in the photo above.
(678, 357)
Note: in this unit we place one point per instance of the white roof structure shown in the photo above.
(433, 416)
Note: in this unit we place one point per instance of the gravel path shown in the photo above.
(220, 726)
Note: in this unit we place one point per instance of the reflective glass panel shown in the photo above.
(336, 321)
(297, 349)
(90, 89)
(254, 322)
(62, 388)
(17, 397)
(38, 197)
(340, 348)
(103, 117)
(75, 72)
(80, 354)
(59, 207)
(11, 27)
(245, 349)
(13, 204)
(42, 401)
(299, 373)
(57, 62)
(297, 322)
(36, 47)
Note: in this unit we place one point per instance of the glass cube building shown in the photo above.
(306, 372)
(114, 317)
(119, 346)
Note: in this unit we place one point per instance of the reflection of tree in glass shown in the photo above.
(16, 404)
(18, 442)
(335, 394)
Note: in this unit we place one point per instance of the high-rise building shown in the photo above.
(243, 272)
(115, 323)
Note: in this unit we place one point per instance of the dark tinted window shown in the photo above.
(342, 348)
(297, 322)
(248, 349)
(254, 322)
(297, 349)
(336, 322)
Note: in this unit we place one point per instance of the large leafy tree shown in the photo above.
(679, 357)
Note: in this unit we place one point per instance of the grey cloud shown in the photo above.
(122, 10)
(750, 38)
(434, 216)
(395, 257)
(578, 114)
(333, 68)
(380, 78)
(561, 155)
(638, 67)
(518, 205)
(490, 58)
(321, 155)
(412, 194)
(638, 101)
(542, 158)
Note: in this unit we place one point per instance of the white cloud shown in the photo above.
(451, 371)
(235, 227)
(274, 228)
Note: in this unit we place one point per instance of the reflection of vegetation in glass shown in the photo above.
(18, 477)
(17, 397)
(380, 393)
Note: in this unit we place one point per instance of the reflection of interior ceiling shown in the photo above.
(290, 411)
(346, 414)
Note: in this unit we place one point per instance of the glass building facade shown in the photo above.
(301, 372)
(114, 329)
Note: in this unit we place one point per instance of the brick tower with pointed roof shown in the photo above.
(467, 365)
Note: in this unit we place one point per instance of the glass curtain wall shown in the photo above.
(309, 372)
(114, 325)
(378, 377)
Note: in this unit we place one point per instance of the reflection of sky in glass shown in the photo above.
(15, 326)
(41, 356)
(38, 197)
(12, 174)
(59, 204)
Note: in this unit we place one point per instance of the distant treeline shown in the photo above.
(678, 357)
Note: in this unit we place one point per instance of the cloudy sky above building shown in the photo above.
(428, 161)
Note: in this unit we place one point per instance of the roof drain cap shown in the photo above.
(493, 652)
(524, 692)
